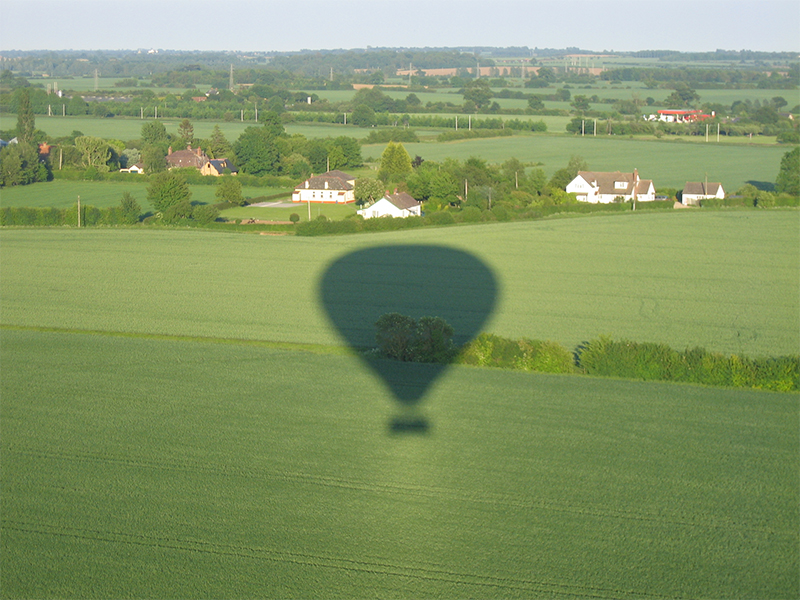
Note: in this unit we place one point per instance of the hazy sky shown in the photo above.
(267, 25)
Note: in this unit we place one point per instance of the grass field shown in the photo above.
(725, 280)
(669, 163)
(162, 469)
(154, 463)
(62, 194)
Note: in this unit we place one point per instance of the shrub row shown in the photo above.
(56, 217)
(489, 350)
(634, 360)
(468, 214)
(464, 134)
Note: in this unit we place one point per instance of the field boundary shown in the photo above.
(362, 352)
(296, 346)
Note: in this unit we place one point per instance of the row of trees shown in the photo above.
(260, 150)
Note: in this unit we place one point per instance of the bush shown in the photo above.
(205, 214)
(294, 218)
(489, 350)
(429, 340)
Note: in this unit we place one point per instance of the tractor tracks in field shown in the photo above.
(369, 565)
(405, 489)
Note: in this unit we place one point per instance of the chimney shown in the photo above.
(199, 152)
(169, 151)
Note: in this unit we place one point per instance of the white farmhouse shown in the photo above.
(695, 191)
(334, 187)
(397, 205)
(603, 188)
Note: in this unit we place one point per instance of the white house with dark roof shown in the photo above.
(400, 205)
(603, 188)
(695, 191)
(334, 187)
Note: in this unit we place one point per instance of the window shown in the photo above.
(620, 185)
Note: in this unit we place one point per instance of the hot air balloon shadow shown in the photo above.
(413, 280)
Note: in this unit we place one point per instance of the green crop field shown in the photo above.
(166, 468)
(62, 194)
(179, 452)
(669, 163)
(122, 128)
(725, 280)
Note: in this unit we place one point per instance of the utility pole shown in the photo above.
(230, 79)
(79, 212)
(255, 107)
(456, 122)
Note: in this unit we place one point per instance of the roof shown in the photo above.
(187, 158)
(220, 164)
(402, 200)
(605, 182)
(700, 188)
(336, 180)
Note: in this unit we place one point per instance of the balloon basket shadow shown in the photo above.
(409, 425)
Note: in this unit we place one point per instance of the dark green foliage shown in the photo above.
(130, 209)
(789, 175)
(294, 218)
(178, 212)
(363, 116)
(26, 122)
(395, 134)
(440, 218)
(648, 361)
(463, 134)
(400, 337)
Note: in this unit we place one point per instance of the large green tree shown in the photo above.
(186, 132)
(26, 122)
(166, 190)
(229, 189)
(788, 181)
(94, 151)
(218, 146)
(395, 162)
(368, 191)
(478, 92)
(257, 149)
(154, 132)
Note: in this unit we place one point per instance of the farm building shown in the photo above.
(603, 188)
(695, 191)
(397, 205)
(333, 187)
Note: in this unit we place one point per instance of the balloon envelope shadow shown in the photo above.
(413, 280)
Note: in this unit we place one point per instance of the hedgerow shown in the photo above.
(399, 336)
